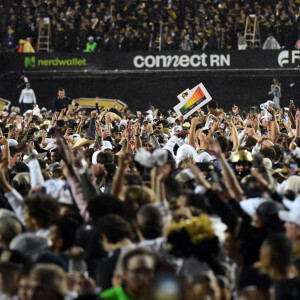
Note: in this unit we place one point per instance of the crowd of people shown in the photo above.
(124, 204)
(140, 25)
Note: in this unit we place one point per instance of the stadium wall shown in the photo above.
(140, 79)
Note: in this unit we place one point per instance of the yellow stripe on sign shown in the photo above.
(103, 103)
(4, 102)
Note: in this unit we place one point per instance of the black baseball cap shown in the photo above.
(12, 259)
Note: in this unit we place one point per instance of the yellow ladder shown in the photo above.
(44, 38)
(252, 34)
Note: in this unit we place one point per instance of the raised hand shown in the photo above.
(125, 159)
(297, 116)
(54, 118)
(291, 106)
(249, 131)
(132, 145)
(261, 139)
(199, 178)
(66, 170)
(68, 132)
(128, 129)
(11, 133)
(65, 153)
(98, 169)
(149, 128)
(280, 113)
(81, 122)
(3, 140)
(215, 126)
(235, 109)
(272, 112)
(200, 135)
(213, 147)
(195, 121)
(24, 147)
(136, 127)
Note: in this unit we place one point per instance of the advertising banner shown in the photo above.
(152, 61)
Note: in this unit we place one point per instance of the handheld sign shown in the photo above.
(197, 97)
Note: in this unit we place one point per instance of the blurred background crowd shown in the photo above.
(139, 25)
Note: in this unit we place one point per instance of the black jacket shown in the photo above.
(59, 104)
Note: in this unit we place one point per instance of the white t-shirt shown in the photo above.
(27, 96)
(296, 152)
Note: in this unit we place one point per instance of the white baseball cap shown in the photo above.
(290, 205)
(107, 145)
(250, 205)
(292, 216)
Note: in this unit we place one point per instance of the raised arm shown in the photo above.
(69, 110)
(129, 134)
(152, 138)
(214, 148)
(99, 133)
(289, 128)
(13, 197)
(108, 121)
(137, 135)
(118, 181)
(274, 127)
(6, 152)
(234, 136)
(265, 142)
(61, 114)
(194, 123)
(293, 145)
(78, 130)
(77, 187)
(290, 114)
(97, 99)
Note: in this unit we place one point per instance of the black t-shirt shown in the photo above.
(59, 104)
(287, 289)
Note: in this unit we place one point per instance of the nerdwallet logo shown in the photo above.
(32, 62)
(29, 62)
(289, 57)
